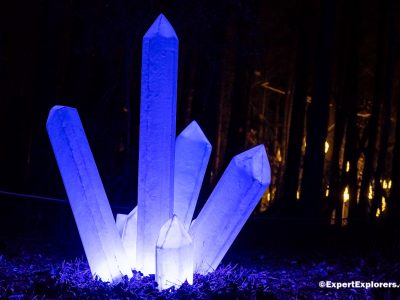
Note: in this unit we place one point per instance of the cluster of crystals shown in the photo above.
(158, 236)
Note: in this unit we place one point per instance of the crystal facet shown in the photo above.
(129, 237)
(120, 223)
(88, 200)
(192, 152)
(228, 207)
(174, 255)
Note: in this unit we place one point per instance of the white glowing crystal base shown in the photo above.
(174, 255)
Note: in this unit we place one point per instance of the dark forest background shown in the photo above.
(316, 82)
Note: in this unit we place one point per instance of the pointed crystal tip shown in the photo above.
(255, 163)
(56, 109)
(194, 132)
(161, 27)
(173, 235)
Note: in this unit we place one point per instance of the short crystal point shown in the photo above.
(255, 163)
(194, 132)
(228, 207)
(192, 153)
(156, 139)
(120, 223)
(93, 216)
(161, 27)
(174, 255)
(129, 236)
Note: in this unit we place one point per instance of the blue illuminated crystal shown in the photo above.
(174, 255)
(86, 195)
(158, 236)
(156, 138)
(228, 207)
(192, 152)
(129, 237)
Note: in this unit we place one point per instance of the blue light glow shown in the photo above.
(157, 138)
(228, 207)
(174, 255)
(192, 152)
(88, 200)
(152, 238)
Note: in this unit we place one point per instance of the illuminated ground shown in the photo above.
(32, 268)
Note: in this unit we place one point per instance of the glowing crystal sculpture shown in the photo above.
(157, 138)
(170, 177)
(129, 236)
(192, 152)
(88, 200)
(174, 255)
(228, 207)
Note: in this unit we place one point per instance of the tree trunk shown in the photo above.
(224, 105)
(394, 199)
(371, 169)
(388, 7)
(350, 100)
(298, 110)
(345, 110)
(318, 118)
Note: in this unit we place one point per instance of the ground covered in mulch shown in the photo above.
(34, 269)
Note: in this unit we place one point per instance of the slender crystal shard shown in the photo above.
(129, 236)
(192, 152)
(228, 207)
(157, 138)
(120, 223)
(88, 200)
(174, 255)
